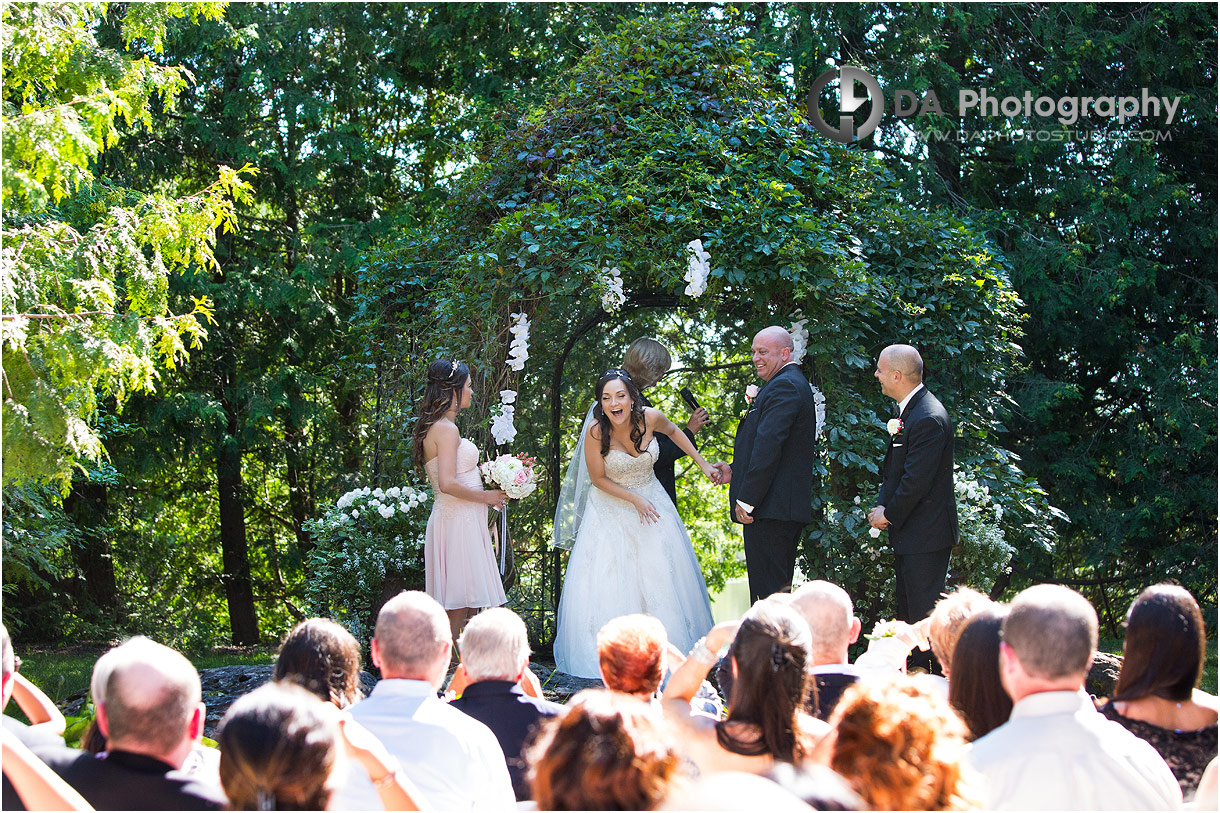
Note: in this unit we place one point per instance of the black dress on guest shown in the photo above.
(1186, 752)
(670, 454)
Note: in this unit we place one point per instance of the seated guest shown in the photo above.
(948, 618)
(46, 722)
(1157, 696)
(455, 760)
(634, 654)
(976, 692)
(202, 763)
(151, 717)
(766, 720)
(733, 790)
(1057, 752)
(324, 658)
(495, 660)
(817, 785)
(901, 747)
(607, 752)
(32, 783)
(279, 746)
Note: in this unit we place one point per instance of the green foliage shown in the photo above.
(84, 286)
(368, 536)
(666, 132)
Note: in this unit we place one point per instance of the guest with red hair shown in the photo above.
(631, 651)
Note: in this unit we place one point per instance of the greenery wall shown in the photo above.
(156, 486)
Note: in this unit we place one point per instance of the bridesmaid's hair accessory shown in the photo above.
(453, 369)
(617, 371)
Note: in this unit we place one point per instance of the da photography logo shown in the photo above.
(849, 102)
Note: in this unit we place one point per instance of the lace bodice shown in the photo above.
(632, 472)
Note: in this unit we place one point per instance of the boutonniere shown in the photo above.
(894, 426)
(751, 393)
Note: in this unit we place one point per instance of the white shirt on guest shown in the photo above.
(454, 760)
(1057, 752)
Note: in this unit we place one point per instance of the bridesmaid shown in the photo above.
(459, 565)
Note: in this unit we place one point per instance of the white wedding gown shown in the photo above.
(620, 565)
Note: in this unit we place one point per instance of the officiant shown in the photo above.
(646, 361)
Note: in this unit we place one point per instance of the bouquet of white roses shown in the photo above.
(514, 473)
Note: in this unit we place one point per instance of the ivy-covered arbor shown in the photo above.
(662, 134)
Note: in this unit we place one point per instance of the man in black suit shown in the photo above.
(771, 477)
(916, 504)
(152, 716)
(495, 659)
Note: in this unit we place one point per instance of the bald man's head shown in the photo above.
(899, 370)
(152, 693)
(828, 610)
(770, 351)
(412, 630)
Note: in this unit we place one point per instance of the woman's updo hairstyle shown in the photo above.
(637, 408)
(446, 380)
(646, 360)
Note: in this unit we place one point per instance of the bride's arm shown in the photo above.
(656, 421)
(596, 464)
(447, 440)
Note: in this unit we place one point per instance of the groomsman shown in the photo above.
(916, 504)
(771, 477)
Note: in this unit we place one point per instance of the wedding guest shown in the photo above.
(948, 618)
(280, 745)
(500, 691)
(32, 784)
(635, 654)
(455, 760)
(324, 658)
(734, 790)
(1057, 752)
(901, 747)
(817, 785)
(975, 690)
(1157, 697)
(46, 722)
(606, 753)
(647, 360)
(766, 720)
(151, 715)
(459, 565)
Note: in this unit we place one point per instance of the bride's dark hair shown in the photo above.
(446, 380)
(637, 408)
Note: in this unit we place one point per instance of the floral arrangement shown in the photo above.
(613, 296)
(698, 269)
(516, 474)
(368, 536)
(751, 393)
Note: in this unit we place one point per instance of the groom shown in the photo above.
(771, 477)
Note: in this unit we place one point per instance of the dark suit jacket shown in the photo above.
(831, 686)
(512, 716)
(34, 739)
(773, 450)
(669, 455)
(121, 780)
(917, 484)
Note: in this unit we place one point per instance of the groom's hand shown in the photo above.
(725, 472)
(743, 516)
(877, 519)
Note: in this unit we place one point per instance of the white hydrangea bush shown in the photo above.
(366, 537)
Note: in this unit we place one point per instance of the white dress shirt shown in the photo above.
(903, 403)
(454, 760)
(1057, 752)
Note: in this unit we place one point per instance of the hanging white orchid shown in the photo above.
(613, 297)
(698, 269)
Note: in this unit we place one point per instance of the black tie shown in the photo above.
(897, 414)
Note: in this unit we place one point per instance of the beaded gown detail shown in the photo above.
(620, 566)
(459, 563)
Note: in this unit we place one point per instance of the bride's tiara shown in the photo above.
(616, 371)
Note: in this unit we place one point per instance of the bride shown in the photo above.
(631, 552)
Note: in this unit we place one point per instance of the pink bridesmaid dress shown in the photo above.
(459, 564)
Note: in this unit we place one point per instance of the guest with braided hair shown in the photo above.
(459, 565)
(766, 721)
